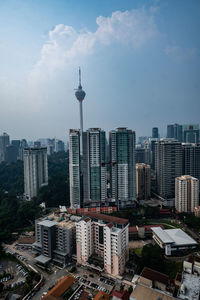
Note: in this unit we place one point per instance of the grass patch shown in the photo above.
(138, 251)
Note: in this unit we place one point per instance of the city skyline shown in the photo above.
(140, 67)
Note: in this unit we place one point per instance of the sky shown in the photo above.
(140, 64)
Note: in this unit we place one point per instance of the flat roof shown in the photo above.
(191, 284)
(106, 218)
(177, 237)
(180, 237)
(47, 223)
(142, 292)
(162, 235)
(43, 259)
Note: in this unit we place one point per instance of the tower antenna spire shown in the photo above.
(79, 76)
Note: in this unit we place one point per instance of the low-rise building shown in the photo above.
(106, 237)
(142, 292)
(172, 240)
(154, 279)
(55, 239)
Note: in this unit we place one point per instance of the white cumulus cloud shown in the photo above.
(134, 28)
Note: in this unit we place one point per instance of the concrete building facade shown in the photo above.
(94, 167)
(106, 237)
(143, 181)
(55, 239)
(168, 166)
(35, 171)
(186, 193)
(191, 159)
(123, 172)
(75, 169)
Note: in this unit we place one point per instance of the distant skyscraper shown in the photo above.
(16, 143)
(94, 167)
(186, 193)
(35, 171)
(191, 159)
(11, 154)
(143, 181)
(59, 146)
(191, 133)
(175, 131)
(4, 141)
(155, 134)
(168, 166)
(123, 176)
(75, 169)
(23, 145)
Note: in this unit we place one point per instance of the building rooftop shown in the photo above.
(190, 287)
(47, 223)
(101, 296)
(106, 218)
(177, 237)
(163, 236)
(141, 292)
(26, 240)
(180, 237)
(154, 275)
(60, 288)
(43, 259)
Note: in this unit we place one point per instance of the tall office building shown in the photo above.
(75, 169)
(143, 181)
(35, 171)
(4, 141)
(122, 158)
(105, 236)
(186, 193)
(191, 159)
(191, 133)
(94, 167)
(175, 131)
(16, 143)
(168, 166)
(155, 134)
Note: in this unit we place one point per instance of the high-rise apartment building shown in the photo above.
(122, 159)
(186, 193)
(87, 173)
(4, 141)
(191, 133)
(168, 166)
(155, 134)
(143, 181)
(55, 238)
(175, 131)
(35, 171)
(75, 169)
(94, 167)
(191, 159)
(105, 236)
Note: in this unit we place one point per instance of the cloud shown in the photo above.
(65, 45)
(180, 54)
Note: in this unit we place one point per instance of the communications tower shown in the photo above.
(80, 95)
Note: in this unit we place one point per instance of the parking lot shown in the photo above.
(93, 281)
